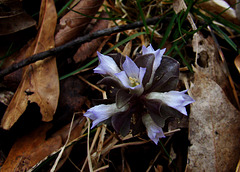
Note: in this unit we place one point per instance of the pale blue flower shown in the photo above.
(175, 99)
(107, 65)
(143, 87)
(131, 76)
(102, 112)
(153, 130)
(157, 61)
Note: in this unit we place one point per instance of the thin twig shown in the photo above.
(75, 43)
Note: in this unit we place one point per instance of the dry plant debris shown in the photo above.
(43, 127)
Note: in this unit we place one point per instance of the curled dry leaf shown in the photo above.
(237, 63)
(214, 130)
(40, 81)
(73, 24)
(217, 7)
(13, 18)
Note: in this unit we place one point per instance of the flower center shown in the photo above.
(133, 81)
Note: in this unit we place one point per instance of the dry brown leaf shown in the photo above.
(214, 130)
(30, 149)
(88, 49)
(33, 148)
(73, 24)
(13, 18)
(210, 64)
(179, 5)
(127, 49)
(40, 81)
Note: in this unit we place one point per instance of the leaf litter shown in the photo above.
(212, 125)
(40, 80)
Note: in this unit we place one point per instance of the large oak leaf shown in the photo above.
(40, 83)
(214, 121)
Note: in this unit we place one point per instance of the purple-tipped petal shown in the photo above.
(175, 99)
(157, 61)
(102, 112)
(154, 132)
(130, 68)
(158, 55)
(107, 65)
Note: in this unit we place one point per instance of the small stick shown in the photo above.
(75, 43)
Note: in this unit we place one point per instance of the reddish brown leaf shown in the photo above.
(34, 147)
(30, 149)
(87, 49)
(73, 24)
(13, 18)
(40, 80)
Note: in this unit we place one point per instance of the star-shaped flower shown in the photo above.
(144, 92)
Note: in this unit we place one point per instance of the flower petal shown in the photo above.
(175, 99)
(166, 76)
(121, 122)
(157, 61)
(110, 82)
(142, 72)
(130, 68)
(102, 112)
(145, 61)
(158, 55)
(107, 65)
(122, 76)
(123, 97)
(154, 132)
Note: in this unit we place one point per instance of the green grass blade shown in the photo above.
(168, 30)
(64, 8)
(155, 27)
(180, 28)
(166, 152)
(225, 22)
(142, 16)
(106, 52)
(183, 59)
(224, 35)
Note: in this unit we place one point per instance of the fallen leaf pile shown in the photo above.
(61, 140)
